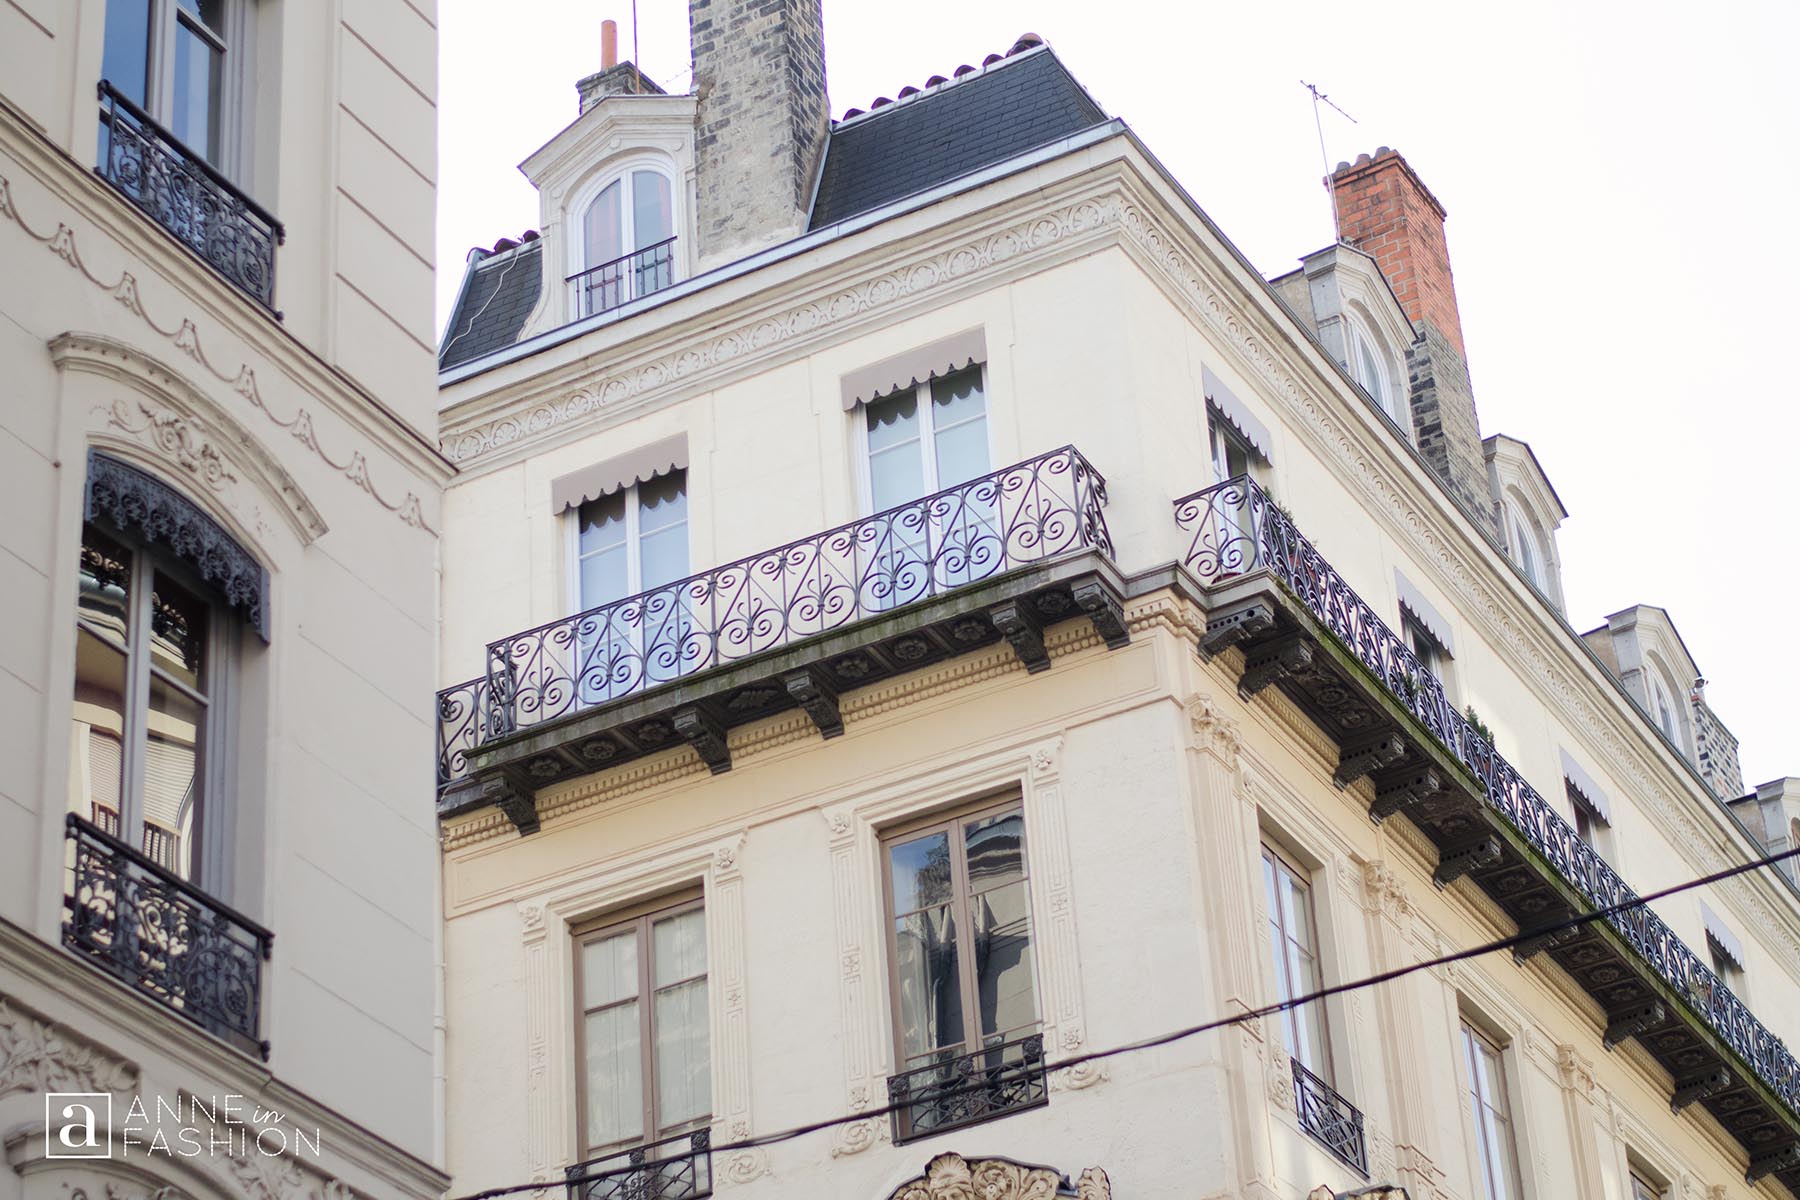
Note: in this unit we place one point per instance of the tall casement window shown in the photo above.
(1496, 1155)
(1294, 947)
(1231, 455)
(642, 1031)
(632, 540)
(1643, 1187)
(1368, 366)
(963, 979)
(926, 438)
(628, 241)
(175, 60)
(1527, 552)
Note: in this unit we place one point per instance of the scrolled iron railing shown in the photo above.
(1019, 515)
(674, 1168)
(187, 196)
(605, 287)
(1330, 1120)
(967, 1089)
(1237, 529)
(163, 937)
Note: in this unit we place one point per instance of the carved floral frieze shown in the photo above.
(953, 1177)
(38, 1055)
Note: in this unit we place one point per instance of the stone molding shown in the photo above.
(952, 1177)
(39, 1055)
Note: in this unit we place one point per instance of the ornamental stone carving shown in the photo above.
(1213, 731)
(1387, 893)
(952, 1177)
(38, 1055)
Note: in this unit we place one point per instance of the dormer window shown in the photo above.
(628, 241)
(1369, 366)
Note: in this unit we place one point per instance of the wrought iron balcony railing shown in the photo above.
(163, 937)
(605, 287)
(969, 1088)
(1330, 1120)
(187, 196)
(1237, 529)
(1033, 511)
(675, 1168)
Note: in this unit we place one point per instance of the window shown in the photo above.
(925, 438)
(1496, 1158)
(1293, 945)
(1723, 964)
(1231, 457)
(1662, 709)
(1590, 824)
(175, 60)
(642, 1033)
(1525, 548)
(632, 540)
(628, 242)
(1426, 648)
(964, 987)
(1643, 1189)
(151, 655)
(1368, 368)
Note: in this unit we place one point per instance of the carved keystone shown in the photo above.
(1632, 1021)
(705, 735)
(1770, 1161)
(1367, 755)
(1015, 620)
(1105, 610)
(1458, 860)
(810, 691)
(1400, 790)
(518, 803)
(1228, 629)
(1699, 1087)
(1533, 946)
(1274, 660)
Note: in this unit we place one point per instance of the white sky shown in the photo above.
(1621, 179)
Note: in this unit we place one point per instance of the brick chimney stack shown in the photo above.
(1385, 210)
(759, 79)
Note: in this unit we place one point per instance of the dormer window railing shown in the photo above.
(605, 287)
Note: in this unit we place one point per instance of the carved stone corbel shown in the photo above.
(518, 802)
(1396, 791)
(1458, 860)
(1105, 610)
(705, 735)
(817, 698)
(1019, 625)
(1227, 629)
(1366, 755)
(1275, 660)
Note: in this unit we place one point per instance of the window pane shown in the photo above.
(921, 872)
(105, 584)
(196, 87)
(995, 847)
(683, 1066)
(1001, 939)
(604, 229)
(679, 948)
(615, 1074)
(959, 415)
(125, 61)
(98, 736)
(176, 725)
(609, 970)
(212, 12)
(177, 632)
(600, 542)
(653, 218)
(928, 983)
(601, 523)
(662, 530)
(896, 471)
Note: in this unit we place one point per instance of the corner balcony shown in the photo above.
(1004, 556)
(1275, 599)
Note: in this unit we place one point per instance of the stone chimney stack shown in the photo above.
(1385, 210)
(614, 78)
(759, 80)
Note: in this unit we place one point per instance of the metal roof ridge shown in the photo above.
(938, 89)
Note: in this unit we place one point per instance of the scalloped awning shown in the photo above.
(603, 478)
(1223, 401)
(915, 367)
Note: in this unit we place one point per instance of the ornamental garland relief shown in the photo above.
(953, 1177)
(38, 1055)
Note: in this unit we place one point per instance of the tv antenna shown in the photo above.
(1318, 98)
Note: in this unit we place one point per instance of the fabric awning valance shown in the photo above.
(1413, 602)
(915, 367)
(1222, 401)
(603, 478)
(1722, 937)
(1583, 785)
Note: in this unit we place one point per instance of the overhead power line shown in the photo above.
(1256, 1014)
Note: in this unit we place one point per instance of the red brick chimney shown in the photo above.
(1385, 210)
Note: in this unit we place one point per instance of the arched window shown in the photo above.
(1662, 708)
(627, 240)
(1526, 550)
(1368, 366)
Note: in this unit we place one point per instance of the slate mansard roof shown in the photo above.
(498, 294)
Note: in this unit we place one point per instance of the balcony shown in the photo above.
(1003, 556)
(1330, 1120)
(675, 1168)
(954, 1093)
(163, 938)
(184, 194)
(1274, 599)
(605, 287)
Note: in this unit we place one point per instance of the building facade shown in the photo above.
(218, 858)
(921, 611)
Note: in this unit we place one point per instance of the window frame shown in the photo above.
(1220, 436)
(1270, 851)
(640, 918)
(584, 198)
(953, 820)
(634, 558)
(1367, 347)
(865, 475)
(1435, 657)
(234, 42)
(1473, 1036)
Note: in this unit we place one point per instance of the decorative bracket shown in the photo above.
(1019, 624)
(706, 736)
(1275, 660)
(1367, 755)
(1230, 628)
(1105, 610)
(1632, 1021)
(1400, 790)
(1699, 1087)
(1456, 861)
(1531, 947)
(1770, 1161)
(519, 803)
(818, 698)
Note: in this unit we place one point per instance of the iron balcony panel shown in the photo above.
(164, 938)
(967, 1089)
(1274, 599)
(607, 286)
(1001, 557)
(1330, 1120)
(188, 197)
(675, 1168)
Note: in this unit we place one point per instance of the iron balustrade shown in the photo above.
(605, 287)
(161, 936)
(967, 1089)
(675, 1168)
(1238, 529)
(187, 196)
(1330, 1120)
(1014, 517)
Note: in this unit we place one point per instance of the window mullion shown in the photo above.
(647, 1025)
(927, 437)
(634, 546)
(965, 944)
(137, 702)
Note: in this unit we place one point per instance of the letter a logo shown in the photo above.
(72, 1125)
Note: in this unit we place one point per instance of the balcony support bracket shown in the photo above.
(1785, 1158)
(518, 802)
(1699, 1087)
(1397, 791)
(1632, 1021)
(1019, 625)
(1531, 947)
(817, 698)
(1227, 629)
(706, 736)
(1367, 755)
(1456, 861)
(1276, 660)
(1105, 609)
